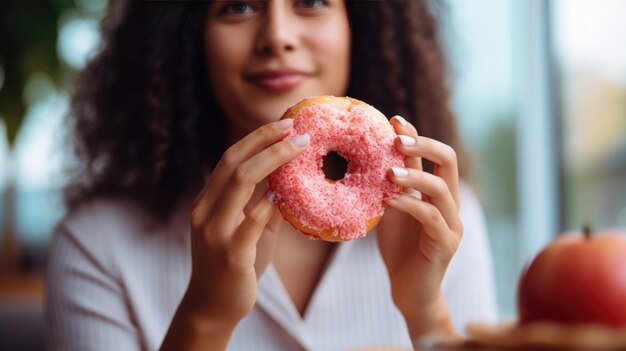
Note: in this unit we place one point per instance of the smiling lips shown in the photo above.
(277, 81)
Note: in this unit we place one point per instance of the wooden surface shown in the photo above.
(28, 286)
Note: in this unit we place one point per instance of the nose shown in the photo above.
(278, 33)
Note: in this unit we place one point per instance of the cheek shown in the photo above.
(332, 44)
(339, 47)
(224, 57)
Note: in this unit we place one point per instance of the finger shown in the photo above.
(434, 187)
(247, 235)
(407, 136)
(426, 213)
(444, 158)
(238, 153)
(259, 191)
(245, 177)
(402, 126)
(267, 243)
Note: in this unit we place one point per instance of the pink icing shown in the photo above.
(345, 207)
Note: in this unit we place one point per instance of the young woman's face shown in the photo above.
(264, 56)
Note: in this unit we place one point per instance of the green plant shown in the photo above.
(28, 36)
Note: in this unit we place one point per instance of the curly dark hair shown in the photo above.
(145, 121)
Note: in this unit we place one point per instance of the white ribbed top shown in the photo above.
(115, 280)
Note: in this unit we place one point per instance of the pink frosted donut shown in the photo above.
(350, 207)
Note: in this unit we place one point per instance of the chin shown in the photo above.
(270, 109)
(259, 108)
(252, 120)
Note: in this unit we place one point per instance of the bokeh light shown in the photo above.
(91, 6)
(589, 33)
(78, 38)
(38, 159)
(38, 144)
(38, 87)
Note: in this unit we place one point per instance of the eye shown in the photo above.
(311, 4)
(236, 8)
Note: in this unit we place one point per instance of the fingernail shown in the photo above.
(402, 121)
(407, 140)
(399, 171)
(271, 196)
(284, 123)
(414, 193)
(301, 140)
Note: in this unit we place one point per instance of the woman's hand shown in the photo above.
(421, 231)
(232, 238)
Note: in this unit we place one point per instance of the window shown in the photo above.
(590, 61)
(540, 93)
(501, 96)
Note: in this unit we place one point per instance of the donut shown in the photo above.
(348, 208)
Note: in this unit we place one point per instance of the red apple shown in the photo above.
(577, 279)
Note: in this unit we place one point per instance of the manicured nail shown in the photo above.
(284, 123)
(399, 172)
(301, 140)
(271, 196)
(402, 121)
(407, 140)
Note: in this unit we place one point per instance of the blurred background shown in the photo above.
(539, 89)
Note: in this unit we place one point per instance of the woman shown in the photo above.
(181, 104)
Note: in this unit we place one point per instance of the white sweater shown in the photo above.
(115, 280)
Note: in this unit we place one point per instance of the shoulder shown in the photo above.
(112, 235)
(469, 284)
(118, 218)
(475, 237)
(471, 211)
(105, 218)
(469, 197)
(474, 246)
(94, 231)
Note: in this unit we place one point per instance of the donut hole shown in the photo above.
(334, 166)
